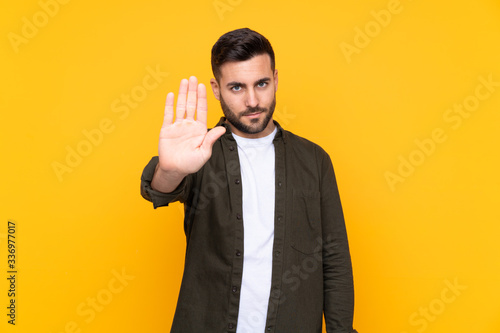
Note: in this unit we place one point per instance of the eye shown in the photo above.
(236, 88)
(262, 84)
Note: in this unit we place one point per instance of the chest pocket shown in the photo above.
(306, 221)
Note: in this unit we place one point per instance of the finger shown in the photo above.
(169, 110)
(211, 137)
(201, 106)
(191, 98)
(181, 100)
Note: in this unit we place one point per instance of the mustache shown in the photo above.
(252, 110)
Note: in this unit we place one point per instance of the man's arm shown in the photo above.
(164, 181)
(337, 270)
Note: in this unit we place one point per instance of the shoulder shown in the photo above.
(304, 146)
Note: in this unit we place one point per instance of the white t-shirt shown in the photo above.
(257, 173)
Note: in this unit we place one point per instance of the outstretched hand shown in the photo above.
(185, 145)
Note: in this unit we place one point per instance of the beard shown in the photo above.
(256, 125)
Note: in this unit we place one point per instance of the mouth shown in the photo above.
(253, 115)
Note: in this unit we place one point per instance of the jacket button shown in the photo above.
(230, 326)
(236, 181)
(238, 253)
(231, 148)
(235, 289)
(238, 216)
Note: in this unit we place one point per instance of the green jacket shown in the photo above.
(311, 272)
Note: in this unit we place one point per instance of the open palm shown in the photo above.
(185, 145)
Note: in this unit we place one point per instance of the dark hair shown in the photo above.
(239, 45)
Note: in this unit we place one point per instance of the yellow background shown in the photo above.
(409, 239)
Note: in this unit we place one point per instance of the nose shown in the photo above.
(252, 99)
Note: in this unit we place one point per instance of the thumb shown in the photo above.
(212, 136)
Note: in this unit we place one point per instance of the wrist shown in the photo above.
(166, 181)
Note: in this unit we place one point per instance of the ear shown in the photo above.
(275, 80)
(215, 88)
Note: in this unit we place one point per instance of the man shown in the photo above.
(267, 249)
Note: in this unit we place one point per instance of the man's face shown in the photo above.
(247, 93)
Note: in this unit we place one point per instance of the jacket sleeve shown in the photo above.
(338, 286)
(160, 199)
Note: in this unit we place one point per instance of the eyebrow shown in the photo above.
(243, 85)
